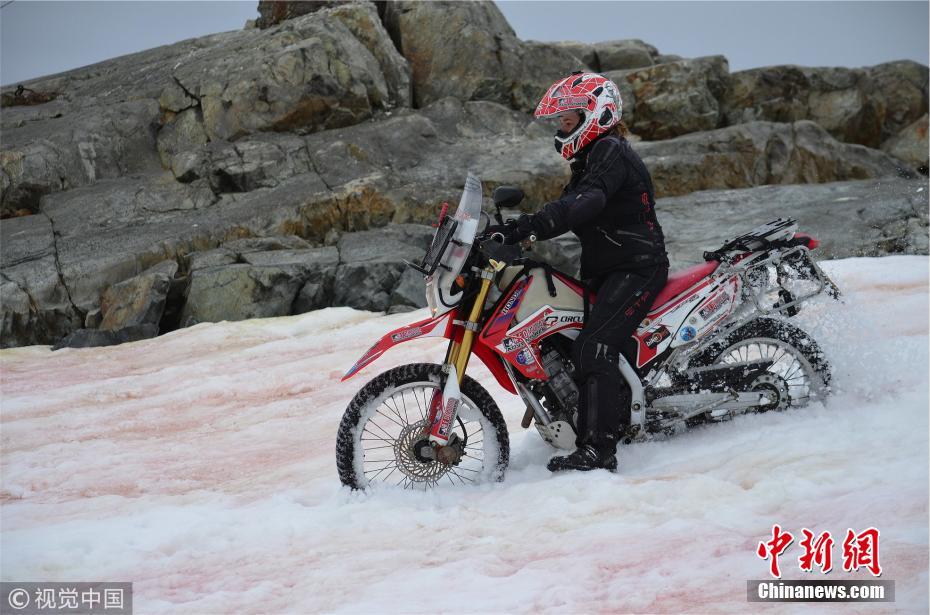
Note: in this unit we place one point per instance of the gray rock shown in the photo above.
(865, 106)
(314, 294)
(88, 338)
(529, 71)
(183, 133)
(453, 48)
(273, 12)
(759, 153)
(76, 147)
(672, 99)
(390, 244)
(313, 257)
(859, 218)
(583, 51)
(467, 50)
(400, 309)
(36, 306)
(241, 291)
(93, 319)
(138, 300)
(265, 283)
(910, 144)
(210, 258)
(410, 290)
(266, 244)
(361, 18)
(563, 253)
(156, 108)
(372, 263)
(624, 54)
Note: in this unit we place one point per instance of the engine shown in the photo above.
(560, 393)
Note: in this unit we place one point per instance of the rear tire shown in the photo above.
(393, 406)
(801, 371)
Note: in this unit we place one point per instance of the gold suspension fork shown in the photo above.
(459, 353)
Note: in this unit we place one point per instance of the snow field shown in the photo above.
(200, 465)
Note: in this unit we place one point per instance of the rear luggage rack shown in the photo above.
(773, 234)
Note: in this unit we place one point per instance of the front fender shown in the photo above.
(440, 326)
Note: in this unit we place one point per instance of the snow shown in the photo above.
(200, 465)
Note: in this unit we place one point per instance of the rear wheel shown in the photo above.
(799, 373)
(382, 438)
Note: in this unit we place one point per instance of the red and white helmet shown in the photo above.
(595, 97)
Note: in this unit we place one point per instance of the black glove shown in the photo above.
(514, 231)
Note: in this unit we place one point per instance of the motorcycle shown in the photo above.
(716, 343)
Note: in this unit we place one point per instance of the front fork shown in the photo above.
(445, 403)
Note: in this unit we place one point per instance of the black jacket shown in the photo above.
(609, 203)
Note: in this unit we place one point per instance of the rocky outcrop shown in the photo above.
(271, 167)
(273, 12)
(60, 146)
(87, 338)
(139, 300)
(372, 264)
(760, 153)
(865, 106)
(910, 144)
(467, 50)
(135, 114)
(612, 55)
(864, 218)
(674, 98)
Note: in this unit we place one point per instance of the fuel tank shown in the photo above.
(568, 295)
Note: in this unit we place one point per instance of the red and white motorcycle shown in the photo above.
(709, 349)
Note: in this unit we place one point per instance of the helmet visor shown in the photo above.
(559, 99)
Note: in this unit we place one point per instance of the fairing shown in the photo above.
(440, 326)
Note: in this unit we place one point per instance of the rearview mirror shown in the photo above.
(507, 196)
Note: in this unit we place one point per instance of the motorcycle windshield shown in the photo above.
(440, 284)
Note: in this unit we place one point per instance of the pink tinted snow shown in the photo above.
(200, 465)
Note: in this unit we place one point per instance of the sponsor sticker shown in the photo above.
(514, 297)
(447, 415)
(407, 334)
(532, 331)
(505, 315)
(552, 321)
(656, 337)
(714, 305)
(687, 333)
(510, 344)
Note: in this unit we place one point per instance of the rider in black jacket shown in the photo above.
(609, 203)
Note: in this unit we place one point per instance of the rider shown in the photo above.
(609, 203)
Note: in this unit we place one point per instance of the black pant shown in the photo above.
(623, 300)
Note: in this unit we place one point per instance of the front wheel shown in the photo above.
(384, 429)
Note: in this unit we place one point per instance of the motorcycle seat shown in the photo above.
(680, 281)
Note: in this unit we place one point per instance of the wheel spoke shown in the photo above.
(395, 409)
(371, 421)
(403, 398)
(398, 423)
(376, 436)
